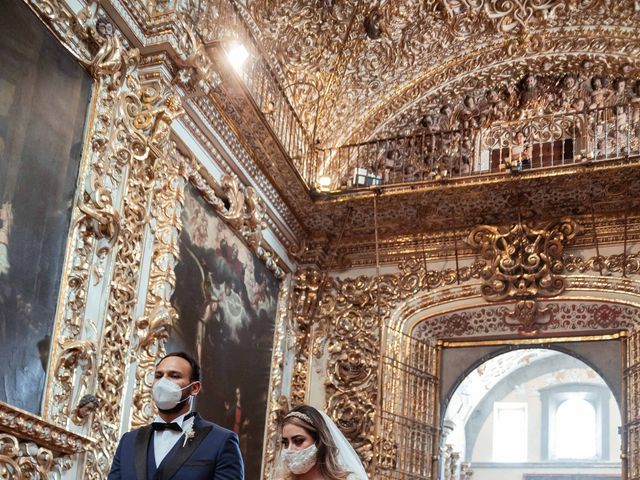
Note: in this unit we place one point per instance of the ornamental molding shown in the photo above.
(127, 137)
(452, 208)
(556, 318)
(308, 286)
(277, 400)
(216, 124)
(24, 459)
(524, 262)
(26, 426)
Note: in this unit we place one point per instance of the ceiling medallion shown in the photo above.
(524, 263)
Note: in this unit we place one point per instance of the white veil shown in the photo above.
(347, 456)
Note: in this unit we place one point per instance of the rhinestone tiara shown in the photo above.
(300, 415)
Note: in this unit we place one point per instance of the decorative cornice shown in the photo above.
(216, 126)
(49, 435)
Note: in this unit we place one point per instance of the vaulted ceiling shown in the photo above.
(356, 69)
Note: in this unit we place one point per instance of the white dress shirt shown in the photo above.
(163, 441)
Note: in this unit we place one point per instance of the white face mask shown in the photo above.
(301, 461)
(167, 394)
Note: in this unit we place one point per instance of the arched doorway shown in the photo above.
(532, 413)
(417, 332)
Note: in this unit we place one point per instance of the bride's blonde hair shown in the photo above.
(310, 419)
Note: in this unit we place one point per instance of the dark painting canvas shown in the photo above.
(44, 97)
(226, 301)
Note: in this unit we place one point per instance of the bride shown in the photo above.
(313, 448)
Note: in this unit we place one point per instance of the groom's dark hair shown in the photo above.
(195, 368)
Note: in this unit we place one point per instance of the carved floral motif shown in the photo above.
(19, 459)
(524, 263)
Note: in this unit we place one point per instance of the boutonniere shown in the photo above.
(189, 433)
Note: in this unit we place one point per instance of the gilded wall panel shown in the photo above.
(427, 305)
(127, 122)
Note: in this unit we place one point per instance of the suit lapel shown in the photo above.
(141, 447)
(179, 454)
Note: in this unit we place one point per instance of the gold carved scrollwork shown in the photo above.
(355, 310)
(154, 326)
(196, 73)
(144, 120)
(350, 311)
(630, 264)
(307, 288)
(278, 404)
(98, 228)
(25, 425)
(506, 17)
(74, 356)
(523, 263)
(27, 460)
(242, 208)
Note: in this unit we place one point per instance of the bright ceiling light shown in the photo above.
(324, 183)
(237, 55)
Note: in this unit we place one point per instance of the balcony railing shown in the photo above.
(509, 148)
(224, 22)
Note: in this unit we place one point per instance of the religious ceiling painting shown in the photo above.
(226, 302)
(44, 98)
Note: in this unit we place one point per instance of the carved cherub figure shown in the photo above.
(445, 121)
(599, 94)
(86, 406)
(619, 95)
(568, 92)
(469, 113)
(163, 118)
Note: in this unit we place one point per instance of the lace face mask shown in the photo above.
(301, 461)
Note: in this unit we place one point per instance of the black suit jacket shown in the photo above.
(212, 454)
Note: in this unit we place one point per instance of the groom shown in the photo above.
(179, 444)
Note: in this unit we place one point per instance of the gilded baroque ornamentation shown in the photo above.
(607, 265)
(154, 326)
(524, 263)
(196, 73)
(19, 459)
(245, 212)
(278, 404)
(386, 74)
(352, 311)
(562, 318)
(119, 146)
(74, 370)
(28, 426)
(146, 125)
(352, 308)
(306, 291)
(507, 17)
(631, 430)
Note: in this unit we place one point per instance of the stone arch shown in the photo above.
(424, 322)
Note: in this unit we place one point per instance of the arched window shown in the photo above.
(509, 432)
(575, 429)
(575, 422)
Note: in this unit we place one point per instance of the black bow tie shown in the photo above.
(161, 426)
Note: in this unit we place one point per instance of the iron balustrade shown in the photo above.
(608, 133)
